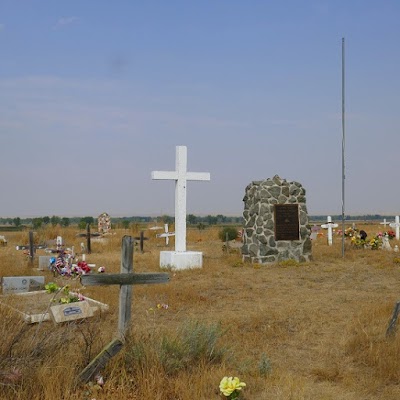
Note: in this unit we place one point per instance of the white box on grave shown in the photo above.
(34, 307)
(71, 311)
(180, 260)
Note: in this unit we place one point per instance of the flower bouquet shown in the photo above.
(390, 234)
(231, 387)
(376, 242)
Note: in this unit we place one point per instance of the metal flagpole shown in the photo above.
(343, 148)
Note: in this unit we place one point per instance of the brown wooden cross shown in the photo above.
(125, 279)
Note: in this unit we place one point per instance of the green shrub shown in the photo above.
(230, 230)
(192, 344)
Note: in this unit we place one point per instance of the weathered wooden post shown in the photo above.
(31, 247)
(125, 279)
(227, 242)
(391, 329)
(89, 248)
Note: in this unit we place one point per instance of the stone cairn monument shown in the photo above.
(275, 222)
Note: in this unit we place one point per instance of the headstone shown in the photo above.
(21, 284)
(314, 232)
(104, 223)
(313, 235)
(44, 262)
(166, 234)
(275, 222)
(180, 258)
(396, 225)
(385, 243)
(329, 225)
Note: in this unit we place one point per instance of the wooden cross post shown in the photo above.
(141, 240)
(89, 247)
(125, 279)
(31, 247)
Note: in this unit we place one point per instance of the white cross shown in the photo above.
(166, 234)
(180, 176)
(329, 225)
(384, 223)
(396, 224)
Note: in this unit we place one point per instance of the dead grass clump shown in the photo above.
(370, 348)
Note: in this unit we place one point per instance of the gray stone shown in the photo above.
(282, 199)
(275, 191)
(21, 284)
(307, 246)
(263, 239)
(253, 250)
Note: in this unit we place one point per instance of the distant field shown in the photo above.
(290, 331)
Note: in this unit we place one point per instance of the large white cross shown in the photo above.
(180, 176)
(396, 224)
(329, 225)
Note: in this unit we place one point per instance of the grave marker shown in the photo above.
(125, 279)
(141, 240)
(329, 225)
(385, 243)
(396, 225)
(71, 311)
(166, 234)
(44, 262)
(384, 223)
(180, 258)
(22, 284)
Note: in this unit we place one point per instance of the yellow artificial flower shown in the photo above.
(228, 385)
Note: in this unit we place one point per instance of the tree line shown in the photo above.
(192, 219)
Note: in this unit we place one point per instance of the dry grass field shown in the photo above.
(290, 331)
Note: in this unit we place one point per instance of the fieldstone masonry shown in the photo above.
(260, 240)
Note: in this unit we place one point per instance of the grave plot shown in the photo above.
(35, 307)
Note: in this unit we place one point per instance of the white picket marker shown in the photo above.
(396, 225)
(330, 225)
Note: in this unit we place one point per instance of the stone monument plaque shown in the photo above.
(287, 222)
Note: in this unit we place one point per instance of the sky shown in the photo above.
(95, 95)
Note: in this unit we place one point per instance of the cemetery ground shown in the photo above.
(290, 331)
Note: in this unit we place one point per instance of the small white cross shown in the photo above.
(329, 225)
(166, 234)
(384, 223)
(396, 224)
(180, 176)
